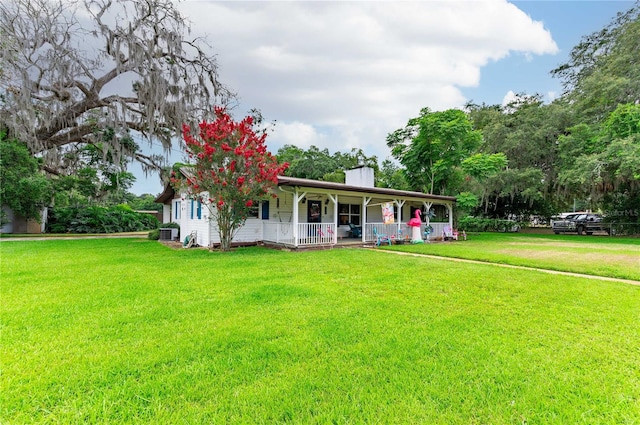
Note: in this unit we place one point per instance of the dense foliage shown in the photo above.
(319, 164)
(96, 219)
(480, 224)
(432, 147)
(92, 175)
(522, 138)
(23, 188)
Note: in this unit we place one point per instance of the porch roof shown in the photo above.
(316, 184)
(166, 196)
(169, 193)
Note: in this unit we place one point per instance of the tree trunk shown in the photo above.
(225, 229)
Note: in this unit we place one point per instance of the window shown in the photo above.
(176, 210)
(348, 213)
(253, 210)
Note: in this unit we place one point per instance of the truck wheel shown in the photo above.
(580, 230)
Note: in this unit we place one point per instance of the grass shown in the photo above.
(68, 235)
(129, 331)
(595, 255)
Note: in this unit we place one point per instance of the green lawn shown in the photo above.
(597, 255)
(129, 331)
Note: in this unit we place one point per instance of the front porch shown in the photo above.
(326, 234)
(310, 213)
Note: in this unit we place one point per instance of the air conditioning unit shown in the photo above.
(169, 234)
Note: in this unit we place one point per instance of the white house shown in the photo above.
(309, 213)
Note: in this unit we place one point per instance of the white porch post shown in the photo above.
(334, 199)
(400, 205)
(183, 215)
(365, 202)
(296, 199)
(450, 208)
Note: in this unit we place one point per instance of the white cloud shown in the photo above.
(509, 98)
(345, 74)
(295, 133)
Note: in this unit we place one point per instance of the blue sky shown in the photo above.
(342, 75)
(568, 22)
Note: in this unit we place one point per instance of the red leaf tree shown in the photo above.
(230, 170)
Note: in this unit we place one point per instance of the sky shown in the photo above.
(344, 74)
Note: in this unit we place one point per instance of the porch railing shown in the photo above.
(275, 232)
(400, 230)
(438, 229)
(308, 233)
(394, 230)
(316, 233)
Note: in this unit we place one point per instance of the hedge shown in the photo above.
(120, 218)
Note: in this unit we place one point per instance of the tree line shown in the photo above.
(580, 151)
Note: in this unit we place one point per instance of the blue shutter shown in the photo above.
(265, 210)
(191, 213)
(199, 209)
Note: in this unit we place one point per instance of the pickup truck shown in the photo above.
(583, 223)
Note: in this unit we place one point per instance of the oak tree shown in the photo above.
(81, 72)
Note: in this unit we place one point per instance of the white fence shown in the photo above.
(308, 233)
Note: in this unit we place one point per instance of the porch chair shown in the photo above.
(449, 234)
(380, 238)
(355, 231)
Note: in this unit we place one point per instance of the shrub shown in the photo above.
(480, 224)
(154, 235)
(99, 220)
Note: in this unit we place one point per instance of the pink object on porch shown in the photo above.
(415, 222)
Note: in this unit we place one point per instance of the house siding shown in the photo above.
(199, 225)
(250, 232)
